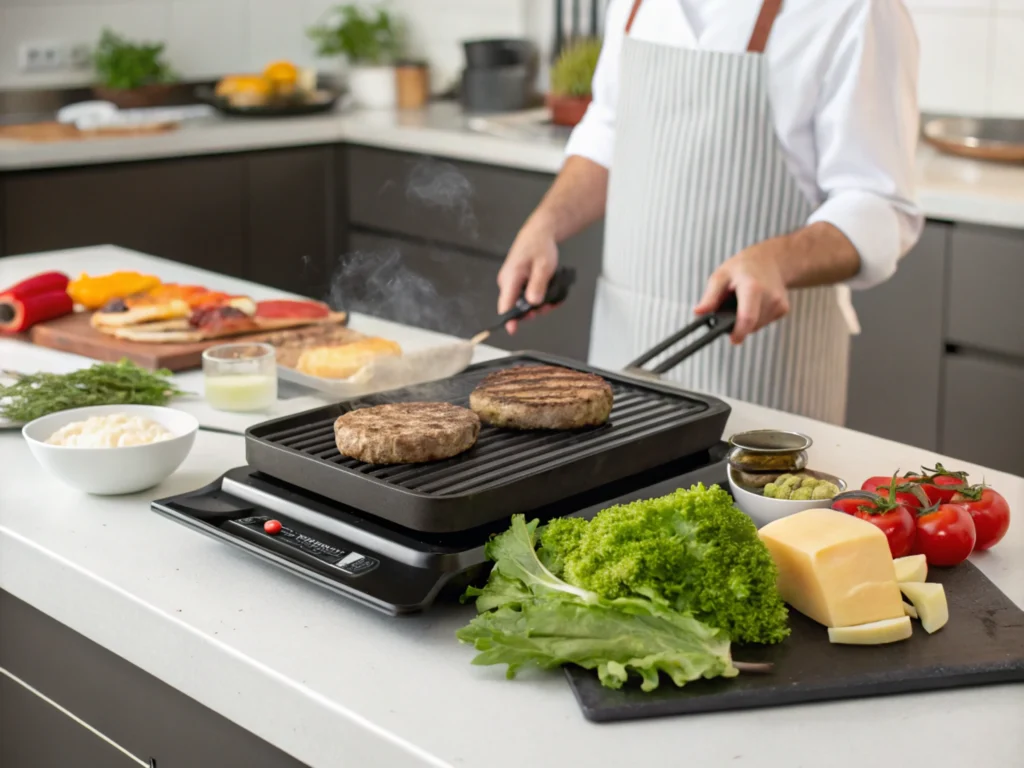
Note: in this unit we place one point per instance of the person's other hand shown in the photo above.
(531, 261)
(755, 276)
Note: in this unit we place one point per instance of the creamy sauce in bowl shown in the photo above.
(115, 430)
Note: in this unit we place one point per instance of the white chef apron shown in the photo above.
(697, 176)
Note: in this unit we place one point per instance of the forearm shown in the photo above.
(818, 254)
(575, 200)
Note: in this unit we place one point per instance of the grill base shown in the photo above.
(506, 471)
(413, 569)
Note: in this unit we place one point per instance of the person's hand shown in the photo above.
(756, 277)
(531, 261)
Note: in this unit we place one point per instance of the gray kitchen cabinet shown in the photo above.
(35, 733)
(444, 289)
(145, 716)
(451, 223)
(190, 210)
(472, 206)
(987, 281)
(896, 361)
(983, 412)
(290, 232)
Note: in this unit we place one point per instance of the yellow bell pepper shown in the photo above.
(94, 292)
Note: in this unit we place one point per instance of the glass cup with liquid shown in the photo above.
(240, 377)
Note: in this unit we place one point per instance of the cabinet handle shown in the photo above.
(80, 721)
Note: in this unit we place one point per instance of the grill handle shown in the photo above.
(718, 323)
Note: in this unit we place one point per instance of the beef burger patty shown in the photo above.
(406, 433)
(542, 397)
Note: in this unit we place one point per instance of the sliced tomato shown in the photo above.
(990, 513)
(279, 309)
(945, 534)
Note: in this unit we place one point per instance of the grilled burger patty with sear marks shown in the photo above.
(406, 433)
(542, 397)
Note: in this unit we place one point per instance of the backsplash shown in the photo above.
(208, 38)
(972, 59)
(972, 56)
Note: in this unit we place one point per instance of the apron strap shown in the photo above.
(632, 14)
(762, 27)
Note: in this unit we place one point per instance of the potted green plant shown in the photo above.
(369, 41)
(571, 78)
(131, 74)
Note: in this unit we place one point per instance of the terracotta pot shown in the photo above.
(153, 95)
(567, 110)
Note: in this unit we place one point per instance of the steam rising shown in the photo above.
(380, 284)
(440, 186)
(383, 284)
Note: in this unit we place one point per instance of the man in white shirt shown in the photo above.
(743, 147)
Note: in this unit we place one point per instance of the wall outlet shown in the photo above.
(42, 56)
(80, 56)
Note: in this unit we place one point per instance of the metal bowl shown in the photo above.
(1000, 139)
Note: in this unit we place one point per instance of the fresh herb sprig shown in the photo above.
(124, 383)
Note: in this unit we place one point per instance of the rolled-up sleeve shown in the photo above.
(594, 136)
(866, 128)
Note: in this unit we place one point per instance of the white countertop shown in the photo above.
(948, 187)
(333, 683)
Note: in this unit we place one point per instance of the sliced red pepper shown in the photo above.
(18, 314)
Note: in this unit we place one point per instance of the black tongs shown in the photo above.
(718, 323)
(558, 291)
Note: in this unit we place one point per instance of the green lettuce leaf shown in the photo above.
(530, 616)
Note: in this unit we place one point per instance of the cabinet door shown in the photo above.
(189, 210)
(35, 733)
(289, 222)
(144, 715)
(895, 363)
(450, 291)
(983, 412)
(476, 207)
(987, 277)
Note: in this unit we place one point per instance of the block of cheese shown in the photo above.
(929, 601)
(911, 568)
(875, 633)
(834, 568)
(910, 610)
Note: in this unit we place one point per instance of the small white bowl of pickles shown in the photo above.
(769, 479)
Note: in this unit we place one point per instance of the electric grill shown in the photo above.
(394, 537)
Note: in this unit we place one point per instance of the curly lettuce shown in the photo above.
(692, 550)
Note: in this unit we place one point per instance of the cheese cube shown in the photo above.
(929, 601)
(910, 610)
(834, 568)
(875, 633)
(911, 568)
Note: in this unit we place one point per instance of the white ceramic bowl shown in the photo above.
(764, 510)
(113, 471)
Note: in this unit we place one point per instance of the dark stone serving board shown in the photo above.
(982, 643)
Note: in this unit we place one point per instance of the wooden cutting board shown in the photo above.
(73, 333)
(53, 131)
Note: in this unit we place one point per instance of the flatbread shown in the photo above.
(176, 334)
(145, 313)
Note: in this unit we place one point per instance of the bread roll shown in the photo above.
(341, 362)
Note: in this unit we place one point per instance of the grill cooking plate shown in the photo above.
(507, 471)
